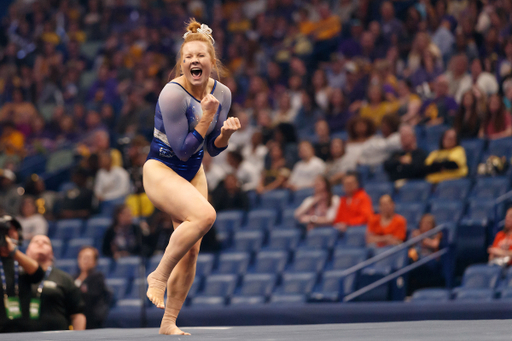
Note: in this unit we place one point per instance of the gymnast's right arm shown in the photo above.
(173, 105)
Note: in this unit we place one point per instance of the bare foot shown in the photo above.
(171, 329)
(156, 291)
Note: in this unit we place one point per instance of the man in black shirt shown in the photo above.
(408, 163)
(14, 261)
(61, 303)
(78, 201)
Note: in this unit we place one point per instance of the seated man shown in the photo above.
(386, 228)
(355, 206)
(408, 163)
(78, 200)
(502, 246)
(305, 171)
(112, 182)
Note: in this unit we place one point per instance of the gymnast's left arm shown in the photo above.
(218, 139)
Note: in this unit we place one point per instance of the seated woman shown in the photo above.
(336, 166)
(360, 130)
(427, 245)
(497, 121)
(92, 285)
(31, 221)
(319, 209)
(467, 120)
(386, 228)
(449, 161)
(123, 238)
(501, 250)
(274, 175)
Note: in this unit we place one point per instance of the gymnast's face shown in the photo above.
(196, 63)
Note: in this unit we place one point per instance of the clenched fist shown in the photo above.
(230, 125)
(210, 105)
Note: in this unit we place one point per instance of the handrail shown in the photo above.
(391, 252)
(395, 249)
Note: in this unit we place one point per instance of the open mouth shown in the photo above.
(196, 72)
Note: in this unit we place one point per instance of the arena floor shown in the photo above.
(481, 330)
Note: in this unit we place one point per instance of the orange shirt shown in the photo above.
(397, 227)
(357, 212)
(503, 241)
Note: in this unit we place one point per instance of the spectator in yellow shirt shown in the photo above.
(377, 106)
(449, 161)
(12, 141)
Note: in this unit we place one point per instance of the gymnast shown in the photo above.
(191, 113)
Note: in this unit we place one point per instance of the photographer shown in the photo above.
(17, 273)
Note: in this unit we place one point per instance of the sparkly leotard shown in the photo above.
(176, 143)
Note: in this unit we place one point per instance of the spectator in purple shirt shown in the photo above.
(104, 89)
(391, 26)
(442, 108)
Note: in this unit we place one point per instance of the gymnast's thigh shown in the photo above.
(171, 193)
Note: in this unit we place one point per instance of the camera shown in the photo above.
(6, 222)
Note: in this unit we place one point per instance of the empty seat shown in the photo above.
(453, 190)
(412, 212)
(204, 264)
(229, 221)
(288, 298)
(247, 300)
(355, 236)
(500, 147)
(396, 261)
(258, 284)
(447, 211)
(68, 228)
(96, 227)
(208, 301)
(309, 260)
(480, 209)
(219, 285)
(107, 207)
(474, 148)
(248, 241)
(377, 189)
(284, 239)
(481, 277)
(506, 294)
(67, 265)
(153, 263)
(233, 263)
(118, 286)
(301, 194)
(138, 289)
(414, 191)
(194, 289)
(261, 219)
(271, 261)
(75, 245)
(431, 295)
(322, 238)
(129, 303)
(434, 133)
(470, 236)
(298, 283)
(346, 258)
(127, 267)
(464, 294)
(334, 286)
(490, 188)
(104, 265)
(276, 199)
(57, 246)
(288, 220)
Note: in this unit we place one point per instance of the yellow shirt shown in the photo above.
(378, 112)
(328, 28)
(13, 143)
(457, 154)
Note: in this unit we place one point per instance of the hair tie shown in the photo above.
(204, 29)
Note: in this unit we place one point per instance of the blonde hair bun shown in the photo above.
(193, 27)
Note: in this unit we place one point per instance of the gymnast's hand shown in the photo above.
(210, 105)
(230, 125)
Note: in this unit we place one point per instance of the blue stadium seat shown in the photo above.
(470, 236)
(447, 211)
(474, 149)
(288, 219)
(431, 295)
(96, 227)
(136, 287)
(204, 264)
(104, 266)
(284, 239)
(208, 301)
(118, 286)
(288, 299)
(249, 241)
(334, 286)
(414, 191)
(490, 188)
(57, 246)
(75, 245)
(464, 294)
(129, 304)
(153, 263)
(261, 219)
(338, 190)
(345, 258)
(480, 209)
(378, 174)
(322, 238)
(481, 277)
(68, 228)
(297, 283)
(229, 221)
(219, 285)
(453, 190)
(196, 285)
(254, 199)
(434, 133)
(355, 237)
(507, 282)
(412, 212)
(506, 294)
(500, 147)
(127, 267)
(300, 195)
(107, 207)
(233, 263)
(258, 284)
(32, 164)
(67, 265)
(276, 199)
(247, 300)
(377, 189)
(271, 262)
(307, 260)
